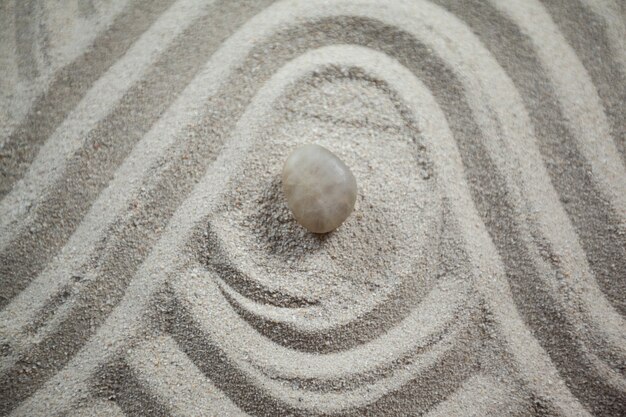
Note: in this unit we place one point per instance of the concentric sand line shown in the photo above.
(73, 133)
(491, 262)
(112, 272)
(43, 34)
(605, 63)
(62, 92)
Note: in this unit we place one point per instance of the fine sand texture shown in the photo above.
(149, 265)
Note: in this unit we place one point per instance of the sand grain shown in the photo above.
(149, 264)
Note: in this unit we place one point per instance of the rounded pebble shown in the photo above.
(320, 188)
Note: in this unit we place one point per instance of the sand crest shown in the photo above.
(149, 264)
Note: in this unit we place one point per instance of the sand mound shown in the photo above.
(149, 264)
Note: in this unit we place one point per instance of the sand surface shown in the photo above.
(149, 265)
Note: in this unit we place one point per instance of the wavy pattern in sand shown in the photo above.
(149, 265)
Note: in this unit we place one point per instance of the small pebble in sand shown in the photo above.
(320, 188)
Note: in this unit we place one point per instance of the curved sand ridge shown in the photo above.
(151, 265)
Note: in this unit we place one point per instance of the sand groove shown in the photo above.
(157, 271)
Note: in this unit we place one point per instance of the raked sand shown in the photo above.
(149, 264)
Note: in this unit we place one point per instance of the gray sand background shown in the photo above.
(149, 264)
